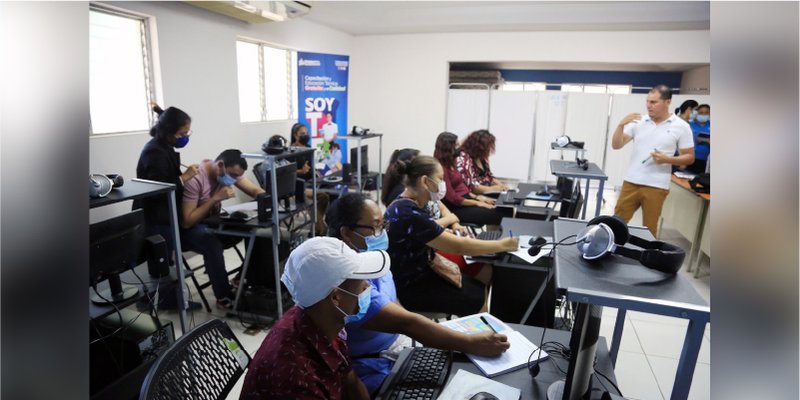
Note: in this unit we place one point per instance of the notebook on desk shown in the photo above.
(514, 358)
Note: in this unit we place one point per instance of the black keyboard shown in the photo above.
(490, 235)
(419, 373)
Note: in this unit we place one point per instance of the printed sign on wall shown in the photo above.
(322, 97)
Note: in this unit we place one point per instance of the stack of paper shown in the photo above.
(464, 385)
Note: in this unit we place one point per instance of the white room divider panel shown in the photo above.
(551, 109)
(511, 118)
(617, 161)
(587, 121)
(467, 111)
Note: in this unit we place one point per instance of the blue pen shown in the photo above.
(510, 234)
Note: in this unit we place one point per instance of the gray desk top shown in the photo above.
(526, 227)
(571, 169)
(618, 277)
(537, 388)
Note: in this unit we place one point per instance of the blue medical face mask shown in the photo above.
(181, 142)
(702, 118)
(380, 242)
(363, 306)
(692, 116)
(226, 180)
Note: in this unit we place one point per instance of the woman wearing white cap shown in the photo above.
(305, 356)
(387, 327)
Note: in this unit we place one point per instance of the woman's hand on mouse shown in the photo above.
(488, 344)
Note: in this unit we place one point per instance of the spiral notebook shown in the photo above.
(514, 358)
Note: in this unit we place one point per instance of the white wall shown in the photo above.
(398, 83)
(197, 61)
(695, 80)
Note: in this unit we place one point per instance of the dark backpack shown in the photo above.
(701, 183)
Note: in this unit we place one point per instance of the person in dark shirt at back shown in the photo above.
(159, 162)
(299, 138)
(305, 355)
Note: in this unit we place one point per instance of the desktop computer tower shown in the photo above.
(118, 362)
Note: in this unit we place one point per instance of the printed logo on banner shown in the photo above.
(322, 97)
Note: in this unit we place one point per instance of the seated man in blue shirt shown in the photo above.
(701, 129)
(387, 327)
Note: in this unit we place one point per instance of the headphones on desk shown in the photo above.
(101, 185)
(564, 141)
(359, 131)
(608, 235)
(275, 145)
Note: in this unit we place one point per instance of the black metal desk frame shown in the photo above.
(592, 287)
(270, 160)
(359, 139)
(570, 169)
(141, 188)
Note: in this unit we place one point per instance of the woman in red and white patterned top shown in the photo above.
(472, 163)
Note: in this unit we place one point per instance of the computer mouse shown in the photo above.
(240, 215)
(537, 241)
(483, 396)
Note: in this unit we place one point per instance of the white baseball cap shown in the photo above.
(320, 264)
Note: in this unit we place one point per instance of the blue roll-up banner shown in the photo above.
(322, 97)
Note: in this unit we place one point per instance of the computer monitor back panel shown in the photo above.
(364, 159)
(582, 344)
(116, 245)
(285, 176)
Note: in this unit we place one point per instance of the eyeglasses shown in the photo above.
(376, 230)
(188, 133)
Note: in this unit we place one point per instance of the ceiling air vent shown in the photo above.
(256, 12)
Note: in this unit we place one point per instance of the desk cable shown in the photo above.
(556, 349)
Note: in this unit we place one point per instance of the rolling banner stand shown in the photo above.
(322, 98)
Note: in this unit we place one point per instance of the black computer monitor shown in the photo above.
(115, 246)
(582, 345)
(285, 177)
(364, 160)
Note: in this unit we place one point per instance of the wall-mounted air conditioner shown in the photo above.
(257, 11)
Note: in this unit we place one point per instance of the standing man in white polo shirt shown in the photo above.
(655, 138)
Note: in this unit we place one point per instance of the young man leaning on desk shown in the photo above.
(202, 196)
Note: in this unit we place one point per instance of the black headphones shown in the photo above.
(101, 185)
(275, 145)
(582, 162)
(359, 131)
(564, 141)
(608, 235)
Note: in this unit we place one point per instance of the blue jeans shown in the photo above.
(200, 240)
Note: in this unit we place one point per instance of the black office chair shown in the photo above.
(205, 363)
(194, 272)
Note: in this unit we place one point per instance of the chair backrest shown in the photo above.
(204, 363)
(258, 171)
(571, 207)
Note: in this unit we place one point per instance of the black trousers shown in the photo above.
(432, 293)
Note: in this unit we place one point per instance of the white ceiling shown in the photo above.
(403, 17)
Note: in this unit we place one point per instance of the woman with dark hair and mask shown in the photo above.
(299, 138)
(414, 235)
(387, 327)
(687, 110)
(159, 161)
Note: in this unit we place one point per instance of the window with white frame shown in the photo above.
(524, 86)
(267, 82)
(120, 72)
(596, 88)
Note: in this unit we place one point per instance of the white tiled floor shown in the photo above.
(649, 351)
